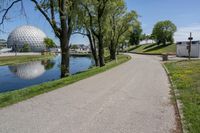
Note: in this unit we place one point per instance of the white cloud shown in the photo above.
(183, 33)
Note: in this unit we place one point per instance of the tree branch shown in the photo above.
(77, 32)
(91, 18)
(53, 25)
(2, 31)
(6, 10)
(52, 11)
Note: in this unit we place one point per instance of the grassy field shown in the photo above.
(10, 60)
(154, 49)
(29, 92)
(186, 77)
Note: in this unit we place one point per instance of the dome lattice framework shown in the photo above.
(30, 35)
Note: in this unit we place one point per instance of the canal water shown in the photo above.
(32, 73)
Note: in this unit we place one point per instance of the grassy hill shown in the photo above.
(154, 49)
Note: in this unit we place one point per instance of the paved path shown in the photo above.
(131, 98)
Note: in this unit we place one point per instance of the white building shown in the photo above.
(182, 49)
(3, 43)
(147, 41)
(80, 48)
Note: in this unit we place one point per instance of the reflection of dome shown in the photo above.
(30, 35)
(29, 70)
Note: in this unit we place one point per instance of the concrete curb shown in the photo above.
(177, 105)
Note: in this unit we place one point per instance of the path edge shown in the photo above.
(180, 128)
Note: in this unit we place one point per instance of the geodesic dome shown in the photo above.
(29, 35)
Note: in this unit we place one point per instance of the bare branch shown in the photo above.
(53, 25)
(7, 9)
(91, 18)
(2, 31)
(84, 34)
(52, 10)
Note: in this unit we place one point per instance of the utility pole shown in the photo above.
(190, 45)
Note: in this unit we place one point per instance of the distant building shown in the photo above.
(55, 50)
(147, 41)
(182, 49)
(80, 48)
(3, 43)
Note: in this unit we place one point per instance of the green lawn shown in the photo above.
(186, 77)
(29, 92)
(10, 60)
(154, 49)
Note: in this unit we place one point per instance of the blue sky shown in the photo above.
(184, 13)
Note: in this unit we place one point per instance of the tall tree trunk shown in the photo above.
(101, 51)
(93, 48)
(64, 57)
(64, 39)
(112, 51)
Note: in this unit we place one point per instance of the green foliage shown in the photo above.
(145, 37)
(25, 48)
(163, 32)
(49, 43)
(135, 36)
(26, 93)
(74, 47)
(119, 26)
(94, 18)
(185, 76)
(108, 21)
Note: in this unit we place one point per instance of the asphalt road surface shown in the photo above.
(131, 98)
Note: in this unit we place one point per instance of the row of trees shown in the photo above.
(106, 23)
(162, 33)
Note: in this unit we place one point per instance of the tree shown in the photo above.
(120, 21)
(26, 48)
(163, 32)
(61, 15)
(142, 37)
(136, 36)
(84, 27)
(97, 11)
(74, 47)
(49, 43)
(145, 37)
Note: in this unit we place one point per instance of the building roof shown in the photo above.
(187, 42)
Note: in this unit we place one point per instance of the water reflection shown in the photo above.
(48, 64)
(37, 72)
(29, 70)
